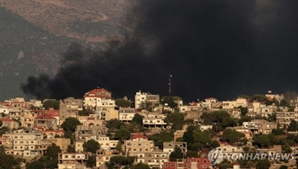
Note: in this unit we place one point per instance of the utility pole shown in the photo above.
(170, 84)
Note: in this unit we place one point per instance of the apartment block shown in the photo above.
(152, 120)
(126, 114)
(170, 146)
(85, 131)
(26, 143)
(69, 108)
(138, 143)
(284, 118)
(72, 160)
(91, 98)
(146, 97)
(189, 163)
(105, 142)
(153, 159)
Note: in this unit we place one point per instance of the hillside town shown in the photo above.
(147, 132)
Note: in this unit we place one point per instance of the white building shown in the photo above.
(72, 160)
(25, 143)
(126, 114)
(169, 147)
(154, 120)
(234, 104)
(205, 127)
(145, 97)
(105, 142)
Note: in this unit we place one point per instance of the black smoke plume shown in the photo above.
(212, 48)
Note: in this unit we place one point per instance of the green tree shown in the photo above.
(170, 101)
(1, 122)
(2, 150)
(263, 164)
(163, 136)
(284, 103)
(118, 161)
(122, 134)
(51, 103)
(86, 112)
(91, 146)
(191, 153)
(146, 106)
(232, 136)
(7, 161)
(177, 120)
(260, 98)
(293, 126)
(52, 151)
(114, 124)
(278, 131)
(243, 111)
(200, 140)
(283, 167)
(121, 102)
(71, 149)
(188, 135)
(138, 119)
(70, 124)
(228, 122)
(91, 162)
(176, 154)
(3, 130)
(141, 166)
(262, 141)
(215, 116)
(179, 139)
(214, 144)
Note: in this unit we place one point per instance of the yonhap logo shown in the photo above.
(215, 156)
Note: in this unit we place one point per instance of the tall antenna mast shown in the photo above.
(170, 84)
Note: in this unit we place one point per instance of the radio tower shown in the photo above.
(170, 84)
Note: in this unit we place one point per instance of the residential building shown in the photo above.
(50, 133)
(145, 97)
(189, 163)
(46, 121)
(284, 118)
(105, 142)
(26, 143)
(27, 119)
(154, 120)
(63, 143)
(69, 108)
(72, 160)
(79, 145)
(272, 96)
(235, 113)
(84, 131)
(126, 114)
(94, 97)
(192, 115)
(153, 159)
(109, 114)
(205, 127)
(10, 123)
(196, 107)
(260, 126)
(228, 149)
(138, 143)
(178, 134)
(104, 156)
(234, 104)
(170, 146)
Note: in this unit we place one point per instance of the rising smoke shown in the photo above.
(212, 48)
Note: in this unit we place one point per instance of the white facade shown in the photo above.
(126, 114)
(154, 119)
(145, 97)
(79, 146)
(105, 142)
(4, 110)
(25, 143)
(234, 104)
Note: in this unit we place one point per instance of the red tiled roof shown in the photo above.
(96, 92)
(139, 135)
(45, 116)
(53, 131)
(53, 112)
(7, 120)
